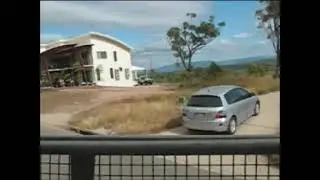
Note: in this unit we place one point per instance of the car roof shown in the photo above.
(215, 90)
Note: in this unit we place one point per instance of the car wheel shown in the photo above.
(232, 128)
(256, 110)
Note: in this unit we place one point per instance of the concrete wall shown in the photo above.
(123, 61)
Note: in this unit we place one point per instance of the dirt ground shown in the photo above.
(57, 106)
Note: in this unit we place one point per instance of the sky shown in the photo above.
(143, 25)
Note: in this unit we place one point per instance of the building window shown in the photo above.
(102, 54)
(117, 75)
(98, 74)
(134, 75)
(111, 73)
(127, 73)
(115, 56)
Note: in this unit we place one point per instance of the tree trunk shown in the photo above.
(189, 69)
(277, 71)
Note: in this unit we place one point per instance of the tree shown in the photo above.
(152, 73)
(185, 41)
(269, 20)
(214, 68)
(256, 70)
(251, 70)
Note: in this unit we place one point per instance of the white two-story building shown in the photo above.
(92, 57)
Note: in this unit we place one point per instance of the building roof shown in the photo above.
(97, 34)
(59, 49)
(136, 68)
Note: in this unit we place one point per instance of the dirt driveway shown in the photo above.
(58, 106)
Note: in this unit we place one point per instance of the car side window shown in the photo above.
(231, 96)
(227, 96)
(243, 93)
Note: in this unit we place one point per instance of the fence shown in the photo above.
(159, 157)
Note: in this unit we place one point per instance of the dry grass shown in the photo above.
(157, 112)
(134, 115)
(63, 101)
(259, 85)
(76, 99)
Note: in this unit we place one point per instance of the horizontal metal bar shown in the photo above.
(161, 145)
(153, 137)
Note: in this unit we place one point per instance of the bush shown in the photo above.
(213, 69)
(256, 70)
(183, 100)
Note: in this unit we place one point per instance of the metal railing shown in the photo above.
(159, 157)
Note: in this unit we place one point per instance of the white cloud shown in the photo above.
(242, 35)
(110, 14)
(263, 42)
(227, 42)
(44, 38)
(152, 17)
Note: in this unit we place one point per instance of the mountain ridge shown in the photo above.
(225, 63)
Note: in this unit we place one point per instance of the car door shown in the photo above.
(235, 107)
(247, 103)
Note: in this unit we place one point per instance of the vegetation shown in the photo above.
(159, 112)
(269, 20)
(185, 41)
(256, 70)
(136, 115)
(214, 69)
(215, 73)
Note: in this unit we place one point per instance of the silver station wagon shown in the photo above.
(220, 108)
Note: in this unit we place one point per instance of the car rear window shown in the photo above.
(205, 101)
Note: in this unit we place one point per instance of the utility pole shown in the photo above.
(147, 74)
(150, 65)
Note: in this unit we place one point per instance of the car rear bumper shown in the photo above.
(220, 125)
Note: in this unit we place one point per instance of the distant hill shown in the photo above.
(228, 64)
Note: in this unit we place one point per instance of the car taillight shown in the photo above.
(221, 114)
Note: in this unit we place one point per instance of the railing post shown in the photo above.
(82, 166)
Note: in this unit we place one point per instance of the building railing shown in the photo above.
(159, 157)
